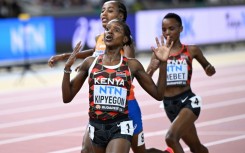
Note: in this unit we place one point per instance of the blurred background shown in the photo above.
(34, 30)
(33, 117)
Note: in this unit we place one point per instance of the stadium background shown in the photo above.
(32, 114)
(55, 26)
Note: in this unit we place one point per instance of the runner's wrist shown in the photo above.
(206, 68)
(63, 56)
(67, 70)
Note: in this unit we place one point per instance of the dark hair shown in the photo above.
(121, 8)
(127, 31)
(175, 16)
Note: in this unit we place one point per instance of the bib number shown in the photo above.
(127, 127)
(141, 139)
(196, 101)
(91, 131)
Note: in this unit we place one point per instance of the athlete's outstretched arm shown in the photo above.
(153, 65)
(64, 56)
(198, 55)
(162, 53)
(146, 82)
(71, 88)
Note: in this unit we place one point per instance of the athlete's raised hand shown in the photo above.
(54, 59)
(72, 58)
(162, 51)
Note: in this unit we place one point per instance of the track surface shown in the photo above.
(33, 118)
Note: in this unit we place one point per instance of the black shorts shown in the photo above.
(102, 133)
(187, 99)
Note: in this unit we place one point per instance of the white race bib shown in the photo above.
(127, 127)
(91, 131)
(196, 101)
(177, 72)
(110, 98)
(141, 139)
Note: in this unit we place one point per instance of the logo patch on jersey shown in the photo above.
(98, 107)
(120, 74)
(98, 72)
(183, 56)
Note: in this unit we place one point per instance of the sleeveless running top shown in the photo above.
(109, 88)
(179, 68)
(100, 46)
(100, 49)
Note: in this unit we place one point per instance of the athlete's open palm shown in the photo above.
(72, 58)
(162, 51)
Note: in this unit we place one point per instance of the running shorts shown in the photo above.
(187, 99)
(102, 133)
(135, 115)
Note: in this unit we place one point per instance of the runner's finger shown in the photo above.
(162, 39)
(157, 41)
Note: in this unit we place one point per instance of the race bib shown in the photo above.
(141, 139)
(91, 131)
(110, 98)
(177, 72)
(127, 127)
(196, 101)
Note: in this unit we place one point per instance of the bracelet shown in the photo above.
(67, 71)
(209, 65)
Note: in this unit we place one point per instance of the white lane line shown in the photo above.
(202, 124)
(185, 149)
(31, 108)
(224, 103)
(222, 141)
(68, 150)
(150, 134)
(51, 94)
(41, 135)
(26, 96)
(220, 80)
(219, 121)
(219, 133)
(30, 97)
(82, 113)
(218, 142)
(225, 140)
(141, 103)
(225, 90)
(43, 119)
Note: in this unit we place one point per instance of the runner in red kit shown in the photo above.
(182, 106)
(111, 10)
(110, 78)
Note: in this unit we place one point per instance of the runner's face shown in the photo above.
(114, 34)
(171, 28)
(109, 11)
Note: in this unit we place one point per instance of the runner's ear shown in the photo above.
(120, 17)
(125, 40)
(181, 28)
